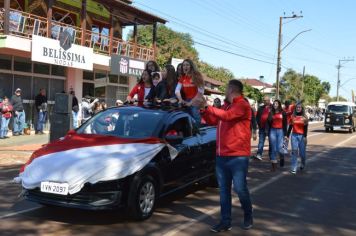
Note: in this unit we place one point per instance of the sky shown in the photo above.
(250, 29)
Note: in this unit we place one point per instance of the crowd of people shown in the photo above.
(236, 121)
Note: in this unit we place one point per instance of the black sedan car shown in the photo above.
(122, 157)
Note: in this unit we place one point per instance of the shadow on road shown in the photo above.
(293, 205)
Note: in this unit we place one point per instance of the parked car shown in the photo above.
(340, 115)
(123, 157)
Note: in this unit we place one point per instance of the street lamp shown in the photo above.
(281, 49)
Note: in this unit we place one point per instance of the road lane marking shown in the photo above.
(235, 201)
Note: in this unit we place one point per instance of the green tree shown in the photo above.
(341, 99)
(169, 43)
(308, 89)
(326, 86)
(253, 93)
(218, 73)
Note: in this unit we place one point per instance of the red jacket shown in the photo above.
(139, 89)
(233, 135)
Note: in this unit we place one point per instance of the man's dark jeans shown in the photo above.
(228, 170)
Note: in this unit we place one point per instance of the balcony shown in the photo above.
(22, 24)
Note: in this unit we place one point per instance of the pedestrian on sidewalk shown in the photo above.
(261, 119)
(232, 153)
(41, 107)
(276, 126)
(75, 109)
(18, 112)
(6, 113)
(299, 125)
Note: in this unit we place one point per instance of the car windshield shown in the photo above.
(339, 109)
(123, 123)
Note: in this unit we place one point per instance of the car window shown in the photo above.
(338, 109)
(123, 123)
(181, 127)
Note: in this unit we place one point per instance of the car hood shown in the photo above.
(79, 159)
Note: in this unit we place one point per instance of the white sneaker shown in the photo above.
(259, 157)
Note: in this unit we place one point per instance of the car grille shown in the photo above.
(337, 120)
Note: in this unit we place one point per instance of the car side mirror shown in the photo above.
(174, 139)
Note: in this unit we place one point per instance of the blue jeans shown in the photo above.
(4, 126)
(19, 122)
(75, 119)
(232, 170)
(276, 137)
(298, 144)
(195, 113)
(41, 120)
(261, 142)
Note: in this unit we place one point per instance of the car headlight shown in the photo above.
(327, 119)
(347, 121)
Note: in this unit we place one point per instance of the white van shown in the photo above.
(340, 115)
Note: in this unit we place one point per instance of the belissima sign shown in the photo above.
(61, 52)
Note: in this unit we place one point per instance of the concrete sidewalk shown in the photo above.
(16, 150)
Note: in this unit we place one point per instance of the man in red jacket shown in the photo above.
(233, 149)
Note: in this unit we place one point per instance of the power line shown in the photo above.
(236, 54)
(205, 32)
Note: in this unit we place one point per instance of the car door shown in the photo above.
(178, 171)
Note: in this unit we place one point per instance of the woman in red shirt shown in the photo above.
(5, 116)
(142, 88)
(299, 125)
(191, 83)
(277, 128)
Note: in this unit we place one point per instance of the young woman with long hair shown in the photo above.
(191, 82)
(299, 125)
(277, 128)
(142, 88)
(152, 66)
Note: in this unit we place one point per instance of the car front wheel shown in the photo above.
(142, 197)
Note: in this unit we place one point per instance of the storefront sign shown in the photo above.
(61, 52)
(126, 66)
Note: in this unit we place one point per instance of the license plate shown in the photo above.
(56, 188)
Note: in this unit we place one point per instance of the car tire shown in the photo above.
(142, 197)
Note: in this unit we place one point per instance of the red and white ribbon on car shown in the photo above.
(82, 158)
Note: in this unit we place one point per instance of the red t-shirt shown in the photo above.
(298, 124)
(190, 90)
(264, 116)
(289, 112)
(277, 121)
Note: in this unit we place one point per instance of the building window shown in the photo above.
(124, 80)
(88, 75)
(39, 83)
(58, 70)
(25, 84)
(40, 68)
(6, 85)
(88, 89)
(5, 62)
(22, 64)
(113, 79)
(122, 93)
(57, 86)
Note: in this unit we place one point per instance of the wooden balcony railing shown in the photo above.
(25, 25)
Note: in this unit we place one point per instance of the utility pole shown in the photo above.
(302, 92)
(280, 50)
(338, 75)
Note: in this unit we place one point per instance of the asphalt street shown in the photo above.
(319, 200)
